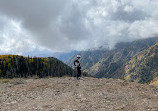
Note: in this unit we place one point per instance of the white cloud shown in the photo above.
(74, 24)
(14, 40)
(144, 29)
(128, 8)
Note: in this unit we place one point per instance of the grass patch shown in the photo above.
(77, 84)
(154, 82)
(128, 77)
(3, 80)
(18, 82)
(99, 85)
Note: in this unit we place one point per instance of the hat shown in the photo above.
(78, 56)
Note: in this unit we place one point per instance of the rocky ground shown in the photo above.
(69, 94)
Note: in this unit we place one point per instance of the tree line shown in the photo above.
(18, 66)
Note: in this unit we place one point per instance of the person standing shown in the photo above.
(77, 65)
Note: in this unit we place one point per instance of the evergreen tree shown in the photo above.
(19, 66)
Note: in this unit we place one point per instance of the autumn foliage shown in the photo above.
(19, 66)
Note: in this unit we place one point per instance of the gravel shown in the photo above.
(69, 94)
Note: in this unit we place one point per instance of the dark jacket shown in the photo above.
(77, 64)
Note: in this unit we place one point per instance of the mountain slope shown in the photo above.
(89, 58)
(19, 66)
(104, 63)
(144, 66)
(64, 56)
(114, 59)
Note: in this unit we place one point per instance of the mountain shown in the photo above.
(143, 67)
(89, 58)
(64, 56)
(37, 52)
(115, 59)
(105, 63)
(19, 66)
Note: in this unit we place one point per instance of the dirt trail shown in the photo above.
(69, 94)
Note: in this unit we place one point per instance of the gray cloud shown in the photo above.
(129, 16)
(13, 40)
(64, 25)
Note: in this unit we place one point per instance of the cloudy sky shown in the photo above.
(66, 25)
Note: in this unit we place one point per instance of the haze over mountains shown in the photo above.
(133, 61)
(123, 62)
(108, 63)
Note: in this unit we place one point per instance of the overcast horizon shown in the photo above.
(48, 26)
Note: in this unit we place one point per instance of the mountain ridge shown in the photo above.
(104, 63)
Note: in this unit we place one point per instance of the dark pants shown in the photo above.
(78, 73)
